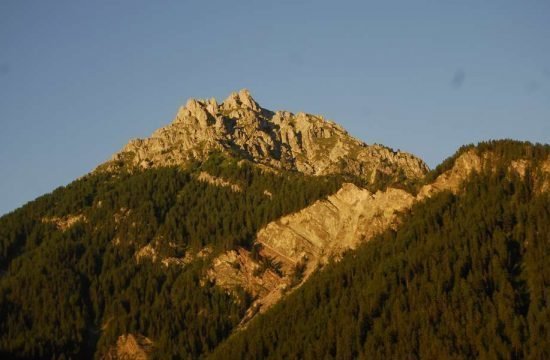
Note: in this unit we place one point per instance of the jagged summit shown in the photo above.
(241, 99)
(282, 140)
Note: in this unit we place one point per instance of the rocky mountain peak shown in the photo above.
(241, 99)
(239, 126)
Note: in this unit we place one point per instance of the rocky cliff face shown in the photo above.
(471, 161)
(281, 140)
(451, 179)
(329, 227)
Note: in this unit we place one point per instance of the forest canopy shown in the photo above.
(72, 291)
(464, 276)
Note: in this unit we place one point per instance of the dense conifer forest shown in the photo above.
(465, 277)
(72, 292)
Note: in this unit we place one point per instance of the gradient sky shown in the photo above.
(78, 79)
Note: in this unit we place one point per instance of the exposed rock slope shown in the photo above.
(216, 181)
(307, 239)
(66, 222)
(451, 179)
(326, 229)
(281, 140)
(471, 161)
(329, 227)
(130, 347)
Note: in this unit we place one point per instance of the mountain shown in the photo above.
(322, 232)
(281, 140)
(238, 232)
(465, 276)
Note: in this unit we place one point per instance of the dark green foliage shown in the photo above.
(74, 292)
(186, 318)
(217, 216)
(297, 273)
(464, 277)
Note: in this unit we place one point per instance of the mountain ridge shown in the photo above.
(280, 140)
(186, 240)
(464, 275)
(322, 232)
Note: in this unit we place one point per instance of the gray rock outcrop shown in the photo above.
(281, 140)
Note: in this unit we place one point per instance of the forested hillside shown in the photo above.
(71, 287)
(127, 252)
(464, 277)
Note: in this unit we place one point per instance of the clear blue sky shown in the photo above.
(80, 78)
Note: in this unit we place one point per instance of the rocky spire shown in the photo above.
(241, 99)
